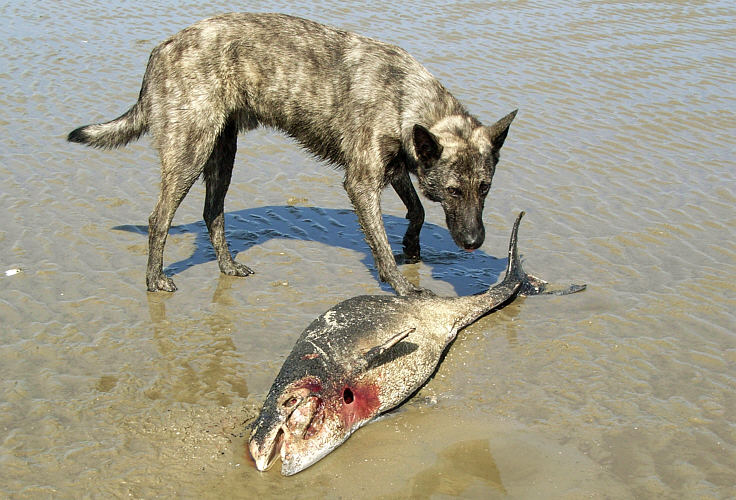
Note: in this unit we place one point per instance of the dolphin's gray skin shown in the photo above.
(363, 357)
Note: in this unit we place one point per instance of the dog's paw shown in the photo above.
(420, 291)
(411, 258)
(236, 269)
(403, 258)
(404, 287)
(411, 251)
(161, 283)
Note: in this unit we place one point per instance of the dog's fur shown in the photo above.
(364, 105)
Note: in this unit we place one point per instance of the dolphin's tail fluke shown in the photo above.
(515, 282)
(514, 272)
(472, 307)
(530, 285)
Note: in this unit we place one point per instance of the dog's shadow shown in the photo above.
(466, 272)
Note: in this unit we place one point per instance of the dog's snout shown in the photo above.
(467, 232)
(472, 238)
(472, 242)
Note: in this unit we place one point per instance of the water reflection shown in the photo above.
(459, 467)
(198, 360)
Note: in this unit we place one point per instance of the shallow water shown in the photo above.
(622, 155)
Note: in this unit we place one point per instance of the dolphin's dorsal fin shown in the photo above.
(374, 352)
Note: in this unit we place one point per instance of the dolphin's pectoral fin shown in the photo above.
(373, 353)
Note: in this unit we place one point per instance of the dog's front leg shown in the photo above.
(415, 213)
(367, 202)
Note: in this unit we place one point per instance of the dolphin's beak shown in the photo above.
(266, 452)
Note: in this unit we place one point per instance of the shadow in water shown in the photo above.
(466, 272)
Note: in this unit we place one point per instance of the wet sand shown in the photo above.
(622, 155)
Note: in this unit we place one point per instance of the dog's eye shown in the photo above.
(484, 188)
(454, 192)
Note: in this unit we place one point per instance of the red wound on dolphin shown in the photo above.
(360, 402)
(347, 396)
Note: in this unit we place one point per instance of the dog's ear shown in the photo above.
(498, 131)
(426, 145)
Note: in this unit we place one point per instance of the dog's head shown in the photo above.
(456, 160)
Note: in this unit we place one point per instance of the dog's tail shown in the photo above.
(118, 132)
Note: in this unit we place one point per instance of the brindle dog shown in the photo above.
(361, 104)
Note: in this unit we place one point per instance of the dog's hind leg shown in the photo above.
(183, 157)
(415, 213)
(217, 174)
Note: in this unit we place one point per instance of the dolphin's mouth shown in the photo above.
(276, 446)
(305, 422)
(265, 455)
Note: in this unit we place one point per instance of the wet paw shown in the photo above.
(411, 250)
(403, 258)
(403, 287)
(423, 292)
(236, 269)
(161, 283)
(411, 258)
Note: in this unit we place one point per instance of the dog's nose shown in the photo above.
(472, 242)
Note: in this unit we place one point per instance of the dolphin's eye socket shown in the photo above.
(290, 402)
(484, 188)
(454, 192)
(347, 396)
